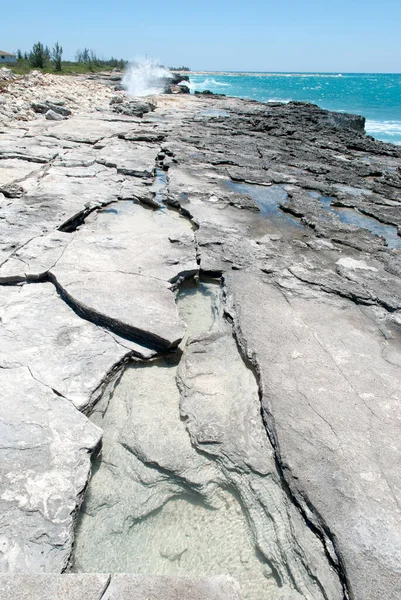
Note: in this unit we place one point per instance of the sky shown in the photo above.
(258, 35)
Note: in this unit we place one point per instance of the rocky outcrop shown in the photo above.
(177, 84)
(257, 446)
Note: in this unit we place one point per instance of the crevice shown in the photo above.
(358, 300)
(105, 588)
(130, 333)
(46, 385)
(118, 368)
(72, 223)
(298, 499)
(148, 339)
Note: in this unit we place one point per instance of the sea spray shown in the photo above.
(145, 76)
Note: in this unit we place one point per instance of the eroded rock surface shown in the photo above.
(45, 455)
(177, 496)
(299, 213)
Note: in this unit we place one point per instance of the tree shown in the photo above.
(37, 56)
(19, 55)
(56, 55)
(82, 56)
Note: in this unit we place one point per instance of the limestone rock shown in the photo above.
(135, 587)
(64, 352)
(134, 108)
(329, 388)
(45, 448)
(140, 308)
(51, 115)
(50, 587)
(136, 159)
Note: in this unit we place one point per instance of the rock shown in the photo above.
(184, 464)
(12, 190)
(116, 100)
(40, 107)
(137, 159)
(337, 405)
(61, 110)
(51, 115)
(134, 587)
(135, 108)
(177, 89)
(208, 93)
(312, 284)
(56, 101)
(79, 357)
(6, 74)
(87, 130)
(45, 465)
(48, 587)
(177, 78)
(57, 107)
(141, 278)
(142, 309)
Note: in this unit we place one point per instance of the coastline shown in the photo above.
(121, 202)
(375, 96)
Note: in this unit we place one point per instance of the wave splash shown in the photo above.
(388, 127)
(145, 77)
(208, 83)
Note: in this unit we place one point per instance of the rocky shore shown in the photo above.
(200, 304)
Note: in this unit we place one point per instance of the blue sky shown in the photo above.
(260, 35)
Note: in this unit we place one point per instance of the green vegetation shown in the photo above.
(47, 60)
(179, 69)
(57, 54)
(39, 56)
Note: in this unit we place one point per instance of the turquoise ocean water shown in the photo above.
(375, 96)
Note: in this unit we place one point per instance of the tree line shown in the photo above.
(43, 57)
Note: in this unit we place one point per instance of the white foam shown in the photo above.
(207, 84)
(278, 100)
(387, 127)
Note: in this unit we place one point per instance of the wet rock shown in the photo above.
(177, 89)
(208, 93)
(219, 408)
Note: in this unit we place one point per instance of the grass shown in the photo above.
(22, 67)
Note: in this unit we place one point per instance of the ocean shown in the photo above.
(375, 96)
